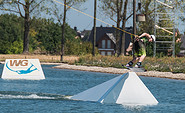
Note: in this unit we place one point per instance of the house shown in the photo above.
(85, 34)
(82, 34)
(106, 44)
(106, 41)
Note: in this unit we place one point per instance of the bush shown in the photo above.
(163, 64)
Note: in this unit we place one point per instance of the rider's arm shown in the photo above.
(145, 34)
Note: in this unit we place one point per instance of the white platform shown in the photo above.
(22, 69)
(124, 89)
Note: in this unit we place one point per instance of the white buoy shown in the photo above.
(22, 69)
(124, 89)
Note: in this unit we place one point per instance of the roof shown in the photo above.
(109, 31)
(111, 36)
(100, 32)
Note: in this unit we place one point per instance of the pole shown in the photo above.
(94, 32)
(134, 25)
(155, 29)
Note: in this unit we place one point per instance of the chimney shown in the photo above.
(75, 28)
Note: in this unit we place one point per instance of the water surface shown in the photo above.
(48, 96)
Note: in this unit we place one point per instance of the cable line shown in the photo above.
(95, 18)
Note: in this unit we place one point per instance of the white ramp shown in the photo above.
(125, 89)
(22, 69)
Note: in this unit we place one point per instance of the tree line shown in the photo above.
(119, 11)
(45, 37)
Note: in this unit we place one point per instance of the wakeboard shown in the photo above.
(135, 69)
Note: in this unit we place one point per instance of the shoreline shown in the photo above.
(170, 75)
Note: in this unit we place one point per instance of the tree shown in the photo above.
(45, 37)
(61, 17)
(118, 9)
(94, 26)
(180, 6)
(26, 9)
(10, 34)
(148, 9)
(123, 27)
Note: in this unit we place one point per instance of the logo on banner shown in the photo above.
(23, 64)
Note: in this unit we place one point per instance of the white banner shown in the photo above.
(22, 69)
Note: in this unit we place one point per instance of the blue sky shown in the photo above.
(82, 21)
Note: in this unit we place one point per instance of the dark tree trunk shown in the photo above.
(26, 29)
(123, 27)
(63, 28)
(94, 32)
(119, 6)
(134, 26)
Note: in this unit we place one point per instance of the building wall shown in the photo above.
(106, 50)
(101, 31)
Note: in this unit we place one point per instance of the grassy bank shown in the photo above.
(42, 58)
(164, 64)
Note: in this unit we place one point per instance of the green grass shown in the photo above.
(163, 64)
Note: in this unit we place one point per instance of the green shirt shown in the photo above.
(145, 39)
(140, 48)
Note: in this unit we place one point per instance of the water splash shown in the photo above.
(26, 95)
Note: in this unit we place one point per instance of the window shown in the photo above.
(103, 53)
(103, 44)
(108, 44)
(109, 53)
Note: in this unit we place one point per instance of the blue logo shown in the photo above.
(23, 71)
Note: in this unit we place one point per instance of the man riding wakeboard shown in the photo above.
(140, 49)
